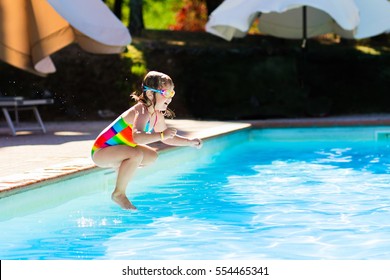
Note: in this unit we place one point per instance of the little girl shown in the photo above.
(123, 144)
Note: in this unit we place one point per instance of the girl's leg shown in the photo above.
(127, 159)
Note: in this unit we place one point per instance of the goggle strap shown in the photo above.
(152, 89)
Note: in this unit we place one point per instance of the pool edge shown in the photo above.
(40, 178)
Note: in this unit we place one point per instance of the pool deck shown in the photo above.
(30, 159)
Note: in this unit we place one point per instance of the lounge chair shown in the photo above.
(17, 104)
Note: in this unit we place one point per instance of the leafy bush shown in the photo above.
(262, 77)
(83, 85)
(192, 16)
(253, 77)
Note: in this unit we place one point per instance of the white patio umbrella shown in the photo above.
(296, 19)
(374, 20)
(32, 30)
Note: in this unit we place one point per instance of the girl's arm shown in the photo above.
(168, 135)
(178, 140)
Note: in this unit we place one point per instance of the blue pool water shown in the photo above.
(321, 193)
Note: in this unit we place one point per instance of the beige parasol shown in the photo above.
(32, 30)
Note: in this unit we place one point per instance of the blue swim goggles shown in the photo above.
(167, 93)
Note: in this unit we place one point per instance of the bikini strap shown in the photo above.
(155, 121)
(148, 128)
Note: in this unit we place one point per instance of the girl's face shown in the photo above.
(163, 98)
(162, 101)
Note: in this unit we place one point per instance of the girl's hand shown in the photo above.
(197, 143)
(169, 133)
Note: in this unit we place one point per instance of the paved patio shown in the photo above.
(31, 158)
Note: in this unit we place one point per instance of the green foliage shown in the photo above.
(88, 83)
(232, 85)
(83, 84)
(158, 14)
(137, 62)
(270, 78)
(191, 17)
(254, 77)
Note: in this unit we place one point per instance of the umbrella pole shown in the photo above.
(304, 45)
(304, 26)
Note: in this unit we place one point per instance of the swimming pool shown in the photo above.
(301, 193)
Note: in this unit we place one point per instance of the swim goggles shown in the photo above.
(164, 92)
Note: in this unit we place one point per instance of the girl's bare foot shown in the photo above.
(122, 201)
